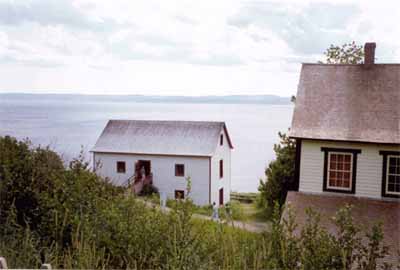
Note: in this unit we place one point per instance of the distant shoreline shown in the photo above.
(228, 99)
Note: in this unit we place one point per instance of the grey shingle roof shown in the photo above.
(187, 138)
(348, 102)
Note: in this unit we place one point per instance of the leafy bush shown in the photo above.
(313, 247)
(74, 219)
(279, 176)
(148, 190)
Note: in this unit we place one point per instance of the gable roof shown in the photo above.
(183, 138)
(348, 103)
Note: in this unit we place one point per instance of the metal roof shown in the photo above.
(349, 103)
(184, 138)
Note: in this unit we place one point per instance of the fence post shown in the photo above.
(46, 266)
(3, 263)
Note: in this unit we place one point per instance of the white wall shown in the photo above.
(163, 169)
(222, 152)
(369, 166)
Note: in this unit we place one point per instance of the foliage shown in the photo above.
(148, 190)
(348, 53)
(313, 247)
(279, 175)
(84, 222)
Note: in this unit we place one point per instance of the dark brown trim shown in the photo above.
(144, 154)
(345, 141)
(385, 155)
(209, 180)
(94, 162)
(355, 152)
(344, 150)
(297, 165)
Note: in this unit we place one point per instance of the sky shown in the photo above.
(179, 47)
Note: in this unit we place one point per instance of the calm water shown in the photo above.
(67, 125)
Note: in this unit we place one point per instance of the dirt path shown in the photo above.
(256, 227)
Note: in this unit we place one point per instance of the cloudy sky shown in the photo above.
(178, 47)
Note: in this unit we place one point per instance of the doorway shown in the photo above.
(143, 163)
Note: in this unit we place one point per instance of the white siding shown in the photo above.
(163, 169)
(222, 152)
(369, 166)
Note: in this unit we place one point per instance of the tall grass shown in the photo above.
(71, 218)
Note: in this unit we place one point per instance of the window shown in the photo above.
(179, 170)
(121, 167)
(340, 167)
(391, 174)
(339, 170)
(221, 168)
(221, 140)
(179, 194)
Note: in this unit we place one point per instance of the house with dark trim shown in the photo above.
(346, 124)
(165, 154)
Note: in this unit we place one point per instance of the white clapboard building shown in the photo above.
(167, 153)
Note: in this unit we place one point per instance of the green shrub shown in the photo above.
(74, 219)
(279, 176)
(148, 190)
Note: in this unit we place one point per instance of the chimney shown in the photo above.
(369, 54)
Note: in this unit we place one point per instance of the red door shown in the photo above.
(221, 196)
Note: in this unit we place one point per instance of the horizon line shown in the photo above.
(142, 95)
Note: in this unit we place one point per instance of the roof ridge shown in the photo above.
(166, 121)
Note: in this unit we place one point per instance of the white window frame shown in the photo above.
(329, 169)
(387, 175)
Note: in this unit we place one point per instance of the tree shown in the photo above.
(348, 53)
(279, 174)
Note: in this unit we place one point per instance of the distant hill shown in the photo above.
(232, 99)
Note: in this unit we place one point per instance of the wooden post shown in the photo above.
(3, 263)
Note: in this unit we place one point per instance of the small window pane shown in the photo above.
(347, 166)
(347, 158)
(392, 169)
(179, 194)
(346, 184)
(333, 165)
(332, 182)
(392, 161)
(340, 166)
(121, 167)
(179, 170)
(221, 168)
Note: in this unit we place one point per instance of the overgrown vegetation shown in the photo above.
(279, 175)
(71, 218)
